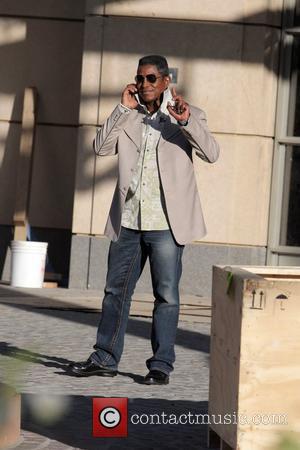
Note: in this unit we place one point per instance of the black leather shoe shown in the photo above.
(88, 368)
(156, 377)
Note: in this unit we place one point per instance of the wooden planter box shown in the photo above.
(10, 416)
(254, 390)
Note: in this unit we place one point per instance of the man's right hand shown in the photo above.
(128, 99)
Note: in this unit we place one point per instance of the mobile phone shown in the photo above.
(137, 97)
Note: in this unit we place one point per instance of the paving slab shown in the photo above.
(192, 308)
(37, 343)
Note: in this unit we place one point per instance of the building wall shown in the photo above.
(227, 59)
(41, 45)
(227, 66)
(80, 55)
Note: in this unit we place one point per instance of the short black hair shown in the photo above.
(156, 60)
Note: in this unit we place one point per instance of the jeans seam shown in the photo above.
(179, 255)
(122, 305)
(178, 260)
(177, 271)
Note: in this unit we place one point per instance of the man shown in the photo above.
(155, 211)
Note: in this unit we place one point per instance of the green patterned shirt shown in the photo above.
(145, 207)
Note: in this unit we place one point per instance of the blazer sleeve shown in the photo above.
(106, 140)
(199, 136)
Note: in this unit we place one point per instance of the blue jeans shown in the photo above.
(126, 260)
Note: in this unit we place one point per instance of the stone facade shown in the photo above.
(80, 58)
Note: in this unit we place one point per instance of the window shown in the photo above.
(284, 230)
(290, 219)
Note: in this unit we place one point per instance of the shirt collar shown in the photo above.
(167, 97)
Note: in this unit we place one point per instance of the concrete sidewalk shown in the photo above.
(193, 308)
(42, 331)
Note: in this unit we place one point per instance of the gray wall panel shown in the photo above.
(198, 260)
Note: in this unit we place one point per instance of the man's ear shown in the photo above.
(167, 80)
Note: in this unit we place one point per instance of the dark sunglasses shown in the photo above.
(139, 79)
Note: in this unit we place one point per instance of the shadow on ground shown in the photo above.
(136, 327)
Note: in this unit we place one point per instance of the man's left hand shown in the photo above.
(181, 110)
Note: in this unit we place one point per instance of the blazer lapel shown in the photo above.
(133, 128)
(170, 128)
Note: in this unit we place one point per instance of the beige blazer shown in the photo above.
(122, 134)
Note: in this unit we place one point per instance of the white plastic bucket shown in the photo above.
(28, 261)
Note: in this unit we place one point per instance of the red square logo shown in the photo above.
(110, 417)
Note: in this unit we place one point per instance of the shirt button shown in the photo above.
(145, 167)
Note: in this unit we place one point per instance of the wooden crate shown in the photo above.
(255, 356)
(10, 417)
